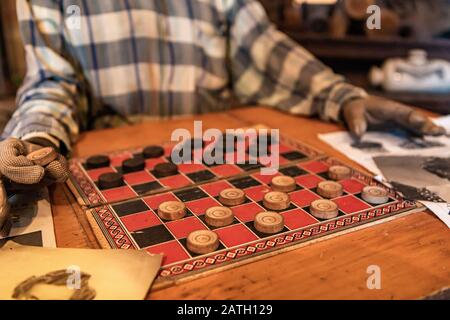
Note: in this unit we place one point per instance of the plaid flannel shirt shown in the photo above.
(160, 58)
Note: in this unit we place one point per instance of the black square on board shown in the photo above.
(204, 175)
(292, 171)
(151, 236)
(191, 194)
(130, 207)
(250, 166)
(324, 175)
(245, 182)
(147, 187)
(293, 155)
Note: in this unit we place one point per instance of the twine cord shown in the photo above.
(57, 278)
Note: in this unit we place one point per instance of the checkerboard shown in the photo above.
(84, 181)
(135, 224)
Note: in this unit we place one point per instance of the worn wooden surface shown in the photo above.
(413, 252)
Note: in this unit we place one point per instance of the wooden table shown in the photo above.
(413, 252)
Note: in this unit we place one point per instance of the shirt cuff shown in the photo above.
(42, 135)
(340, 94)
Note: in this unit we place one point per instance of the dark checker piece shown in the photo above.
(165, 170)
(133, 165)
(96, 162)
(151, 152)
(110, 180)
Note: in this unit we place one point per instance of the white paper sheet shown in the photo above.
(32, 215)
(393, 144)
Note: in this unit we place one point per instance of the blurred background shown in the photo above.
(333, 30)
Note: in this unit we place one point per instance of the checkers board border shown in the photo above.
(117, 236)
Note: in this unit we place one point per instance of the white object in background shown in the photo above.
(415, 73)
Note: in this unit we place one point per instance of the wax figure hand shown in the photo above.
(375, 112)
(18, 173)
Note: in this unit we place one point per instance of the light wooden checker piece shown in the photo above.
(276, 200)
(43, 157)
(232, 197)
(202, 241)
(330, 189)
(324, 209)
(172, 210)
(283, 184)
(339, 173)
(219, 216)
(269, 222)
(375, 195)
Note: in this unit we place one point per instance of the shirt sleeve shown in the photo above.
(271, 69)
(46, 103)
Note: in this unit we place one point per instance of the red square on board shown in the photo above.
(235, 235)
(154, 201)
(283, 148)
(216, 187)
(172, 251)
(226, 170)
(199, 207)
(303, 198)
(139, 221)
(189, 168)
(96, 173)
(116, 161)
(298, 218)
(247, 212)
(257, 193)
(176, 181)
(182, 228)
(265, 178)
(315, 166)
(351, 204)
(151, 163)
(352, 185)
(309, 181)
(118, 194)
(138, 177)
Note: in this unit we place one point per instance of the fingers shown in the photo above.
(355, 117)
(58, 170)
(384, 110)
(15, 166)
(423, 125)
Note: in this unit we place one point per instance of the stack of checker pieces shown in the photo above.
(310, 197)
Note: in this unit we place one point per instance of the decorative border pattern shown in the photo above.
(84, 186)
(120, 239)
(116, 234)
(290, 238)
